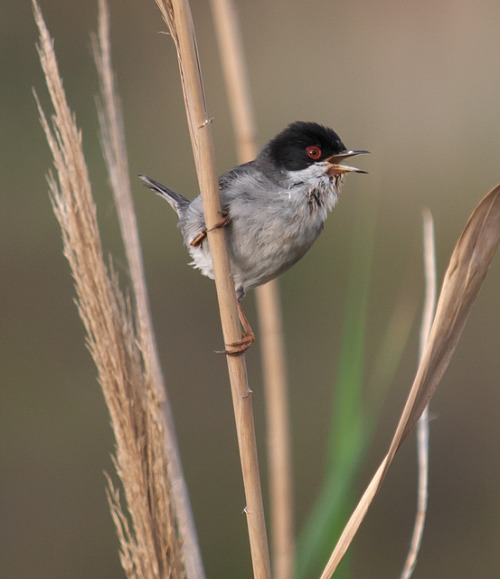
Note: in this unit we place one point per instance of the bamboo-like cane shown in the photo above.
(177, 15)
(268, 308)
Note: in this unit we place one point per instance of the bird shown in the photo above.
(274, 208)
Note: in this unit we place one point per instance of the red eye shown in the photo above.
(314, 153)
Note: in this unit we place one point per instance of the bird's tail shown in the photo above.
(176, 201)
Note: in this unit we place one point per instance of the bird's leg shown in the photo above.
(248, 338)
(222, 223)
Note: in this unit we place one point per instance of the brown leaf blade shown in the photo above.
(469, 264)
(464, 277)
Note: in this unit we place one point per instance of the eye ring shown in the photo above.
(313, 152)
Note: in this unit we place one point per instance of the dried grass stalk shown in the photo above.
(272, 343)
(468, 267)
(236, 77)
(150, 546)
(115, 154)
(278, 430)
(177, 15)
(423, 423)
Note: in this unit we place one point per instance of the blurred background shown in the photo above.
(417, 84)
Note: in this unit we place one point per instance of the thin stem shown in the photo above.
(278, 431)
(268, 307)
(115, 153)
(423, 423)
(177, 15)
(236, 77)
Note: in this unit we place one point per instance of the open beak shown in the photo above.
(335, 163)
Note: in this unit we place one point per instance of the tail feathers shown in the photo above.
(176, 201)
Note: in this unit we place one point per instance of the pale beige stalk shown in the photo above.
(177, 15)
(150, 545)
(423, 423)
(468, 267)
(268, 307)
(236, 77)
(115, 154)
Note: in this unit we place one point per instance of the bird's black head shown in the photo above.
(300, 145)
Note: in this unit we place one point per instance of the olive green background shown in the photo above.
(417, 84)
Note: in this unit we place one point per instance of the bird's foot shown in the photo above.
(224, 222)
(239, 347)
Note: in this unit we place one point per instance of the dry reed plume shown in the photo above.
(150, 545)
(115, 154)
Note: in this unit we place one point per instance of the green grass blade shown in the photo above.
(348, 436)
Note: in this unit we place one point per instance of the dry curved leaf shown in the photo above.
(468, 267)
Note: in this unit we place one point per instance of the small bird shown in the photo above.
(274, 208)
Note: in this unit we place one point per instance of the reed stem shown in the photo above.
(423, 423)
(177, 15)
(268, 307)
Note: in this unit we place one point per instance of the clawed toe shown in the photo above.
(239, 347)
(224, 222)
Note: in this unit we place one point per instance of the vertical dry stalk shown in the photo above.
(177, 15)
(115, 154)
(278, 430)
(268, 307)
(150, 546)
(423, 423)
(236, 77)
(466, 272)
